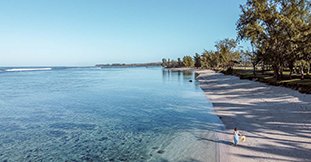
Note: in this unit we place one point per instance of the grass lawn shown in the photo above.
(304, 86)
(297, 81)
(245, 68)
(269, 78)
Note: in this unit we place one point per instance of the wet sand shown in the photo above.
(275, 120)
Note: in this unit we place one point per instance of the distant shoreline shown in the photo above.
(157, 64)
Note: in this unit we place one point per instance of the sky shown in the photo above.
(89, 32)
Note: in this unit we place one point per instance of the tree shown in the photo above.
(228, 54)
(209, 59)
(277, 29)
(206, 59)
(187, 61)
(164, 62)
(258, 24)
(254, 58)
(179, 62)
(197, 60)
(174, 64)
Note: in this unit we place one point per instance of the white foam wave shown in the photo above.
(29, 69)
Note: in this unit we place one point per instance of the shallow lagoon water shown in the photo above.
(109, 114)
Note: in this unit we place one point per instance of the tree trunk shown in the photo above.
(275, 70)
(291, 66)
(302, 76)
(262, 68)
(254, 68)
(281, 71)
(308, 69)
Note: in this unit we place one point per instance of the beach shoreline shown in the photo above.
(275, 120)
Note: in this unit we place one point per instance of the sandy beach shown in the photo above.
(275, 120)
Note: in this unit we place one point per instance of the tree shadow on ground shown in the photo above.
(279, 114)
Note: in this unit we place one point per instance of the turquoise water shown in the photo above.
(93, 114)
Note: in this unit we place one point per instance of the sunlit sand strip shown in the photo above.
(275, 120)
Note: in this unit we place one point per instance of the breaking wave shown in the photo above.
(28, 69)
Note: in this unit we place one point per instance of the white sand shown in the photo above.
(275, 120)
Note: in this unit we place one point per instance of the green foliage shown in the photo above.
(279, 30)
(209, 59)
(227, 53)
(187, 61)
(197, 60)
(164, 62)
(179, 62)
(171, 63)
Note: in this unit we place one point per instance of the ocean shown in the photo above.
(104, 114)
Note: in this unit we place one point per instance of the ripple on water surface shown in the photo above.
(123, 114)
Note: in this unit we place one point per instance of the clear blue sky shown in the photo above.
(88, 32)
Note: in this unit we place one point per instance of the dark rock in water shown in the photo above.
(111, 159)
(160, 152)
(155, 147)
(87, 158)
(143, 128)
(73, 126)
(56, 133)
(190, 80)
(74, 160)
(150, 155)
(103, 138)
(78, 145)
(140, 140)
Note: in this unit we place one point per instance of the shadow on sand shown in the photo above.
(281, 115)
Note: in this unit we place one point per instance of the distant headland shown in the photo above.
(131, 65)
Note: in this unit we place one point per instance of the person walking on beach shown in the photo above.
(236, 136)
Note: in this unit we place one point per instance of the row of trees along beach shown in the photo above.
(279, 33)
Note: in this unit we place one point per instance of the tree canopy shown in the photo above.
(279, 31)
